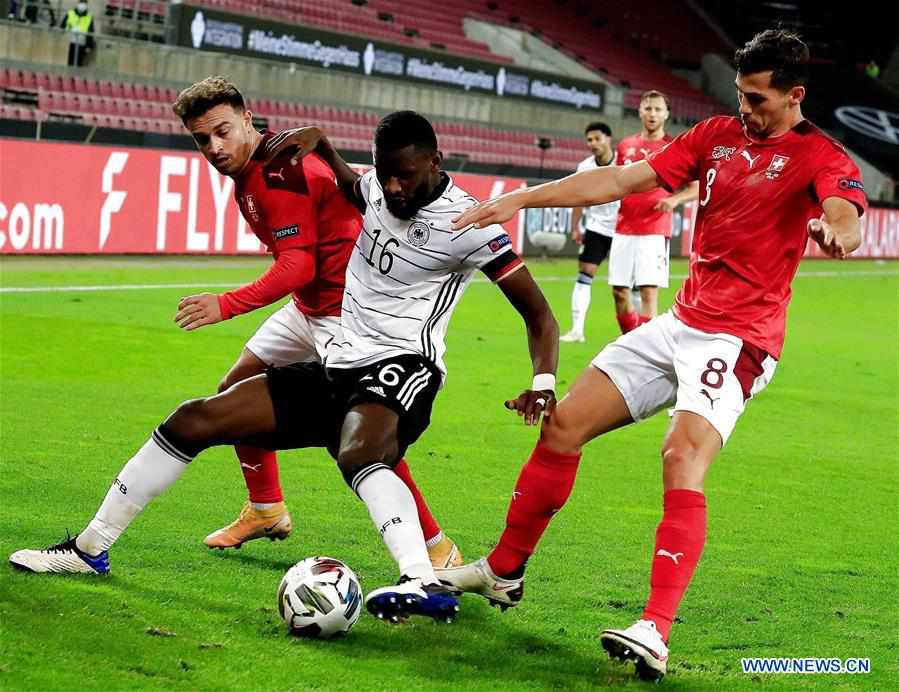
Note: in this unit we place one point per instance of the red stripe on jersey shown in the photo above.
(748, 367)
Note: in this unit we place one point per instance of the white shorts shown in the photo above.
(665, 362)
(289, 336)
(638, 260)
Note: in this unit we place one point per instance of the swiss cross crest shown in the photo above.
(250, 205)
(775, 168)
(378, 203)
(631, 151)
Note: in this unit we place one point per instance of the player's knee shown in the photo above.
(353, 455)
(192, 421)
(559, 433)
(356, 455)
(680, 466)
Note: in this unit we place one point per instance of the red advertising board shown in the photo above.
(73, 198)
(880, 234)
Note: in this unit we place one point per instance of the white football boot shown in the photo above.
(640, 643)
(573, 337)
(64, 558)
(477, 577)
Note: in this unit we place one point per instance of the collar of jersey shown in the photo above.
(803, 127)
(439, 190)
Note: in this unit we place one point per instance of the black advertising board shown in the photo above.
(211, 30)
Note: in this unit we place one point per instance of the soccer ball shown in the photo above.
(319, 597)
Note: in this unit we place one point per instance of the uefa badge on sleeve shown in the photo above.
(418, 234)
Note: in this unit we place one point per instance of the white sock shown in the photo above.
(434, 540)
(580, 302)
(148, 473)
(392, 509)
(262, 506)
(636, 300)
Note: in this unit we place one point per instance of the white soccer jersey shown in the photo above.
(600, 218)
(405, 277)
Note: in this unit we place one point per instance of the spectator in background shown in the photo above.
(592, 228)
(80, 25)
(40, 12)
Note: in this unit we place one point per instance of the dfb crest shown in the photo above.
(418, 234)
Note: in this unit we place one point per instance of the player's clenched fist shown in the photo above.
(531, 404)
(198, 311)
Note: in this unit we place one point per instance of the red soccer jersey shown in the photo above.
(636, 216)
(299, 207)
(755, 200)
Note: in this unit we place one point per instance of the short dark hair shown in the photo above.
(206, 94)
(598, 127)
(778, 50)
(402, 129)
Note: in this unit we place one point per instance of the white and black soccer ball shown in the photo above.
(320, 597)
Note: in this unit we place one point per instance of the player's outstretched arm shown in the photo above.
(543, 343)
(838, 231)
(583, 189)
(305, 140)
(294, 268)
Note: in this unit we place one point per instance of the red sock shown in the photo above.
(543, 486)
(680, 539)
(643, 319)
(628, 321)
(260, 472)
(429, 526)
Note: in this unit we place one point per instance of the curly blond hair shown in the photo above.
(208, 93)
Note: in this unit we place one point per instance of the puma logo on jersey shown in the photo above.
(253, 467)
(749, 157)
(709, 397)
(515, 494)
(278, 174)
(377, 390)
(645, 152)
(664, 553)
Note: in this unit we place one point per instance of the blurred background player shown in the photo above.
(770, 181)
(639, 254)
(592, 228)
(305, 221)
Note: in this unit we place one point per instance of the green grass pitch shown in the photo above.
(801, 558)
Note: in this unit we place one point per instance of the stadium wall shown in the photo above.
(87, 199)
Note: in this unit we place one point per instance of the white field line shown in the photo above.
(153, 287)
